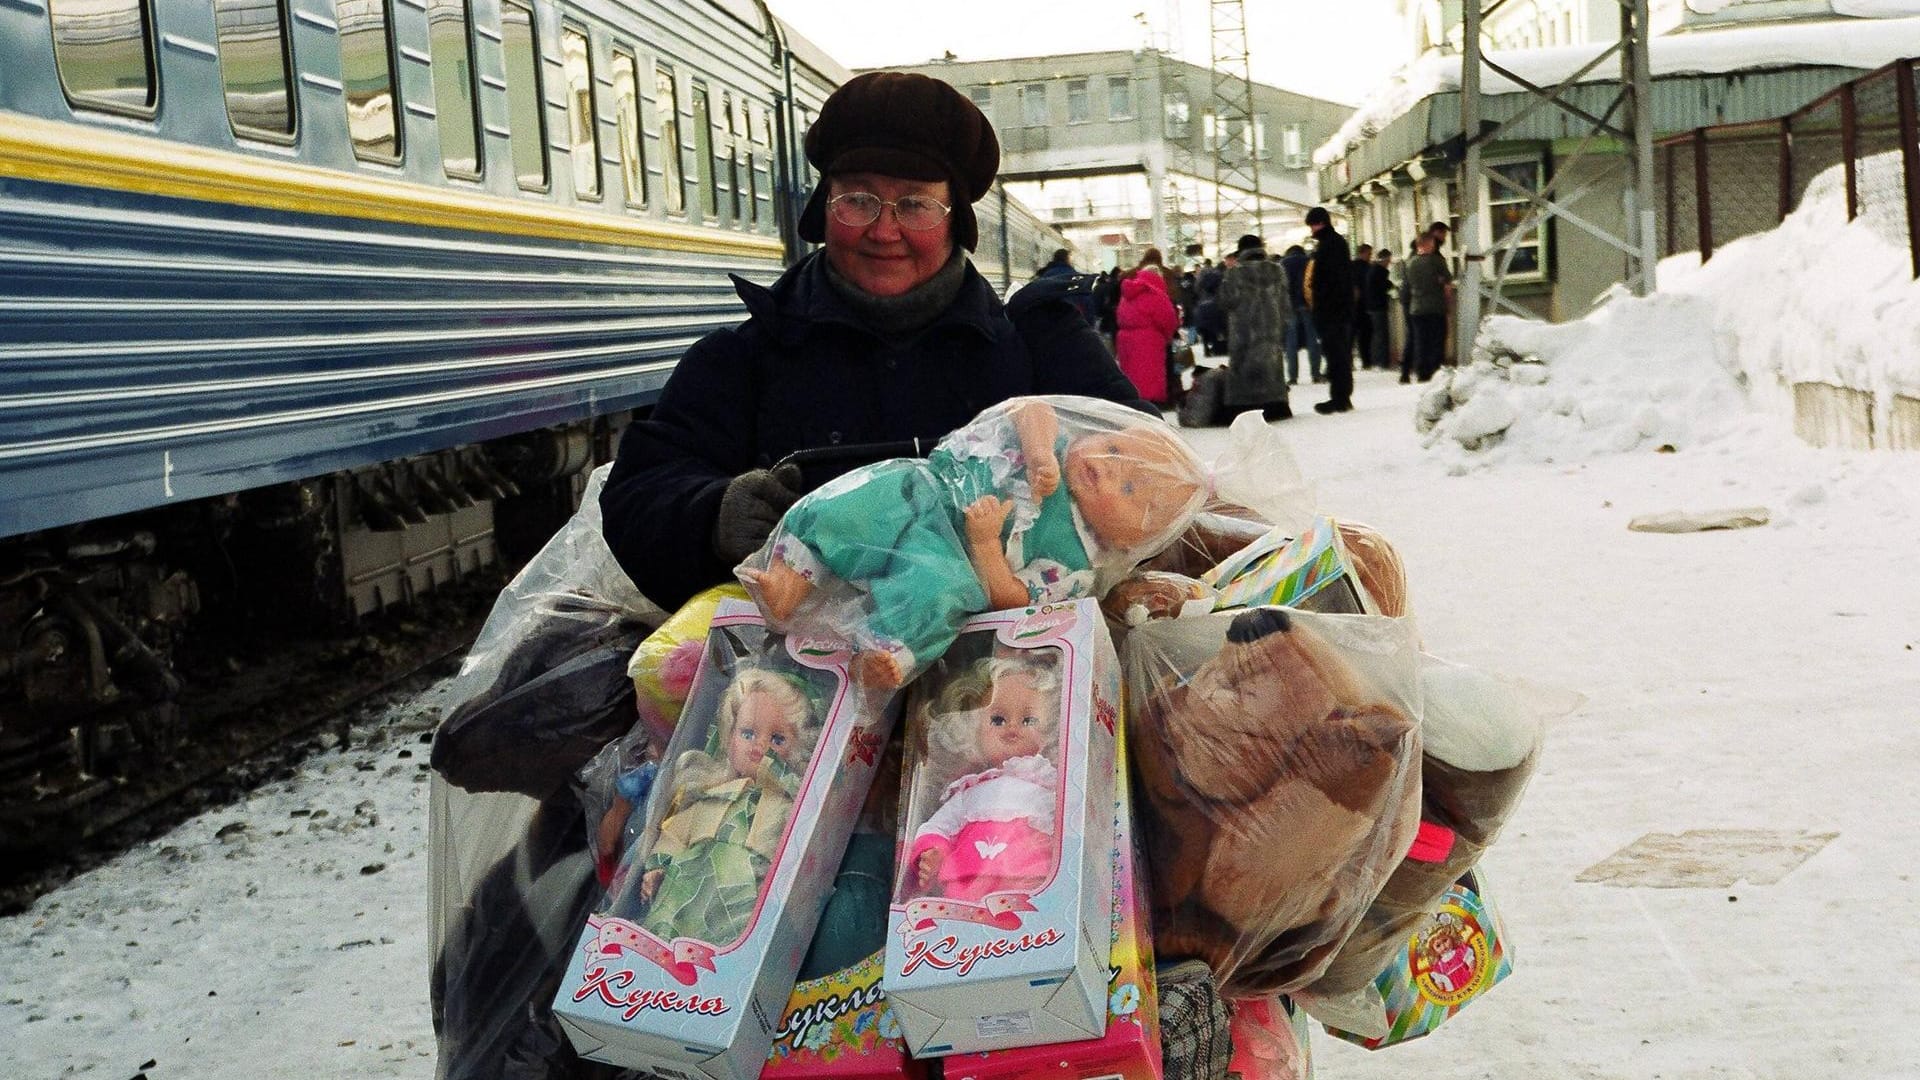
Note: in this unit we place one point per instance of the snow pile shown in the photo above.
(1635, 373)
(1715, 353)
(1819, 299)
(1863, 43)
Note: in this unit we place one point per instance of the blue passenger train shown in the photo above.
(306, 306)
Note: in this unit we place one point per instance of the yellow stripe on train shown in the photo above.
(32, 148)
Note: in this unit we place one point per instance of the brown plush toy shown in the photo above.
(1377, 564)
(1281, 788)
(1480, 747)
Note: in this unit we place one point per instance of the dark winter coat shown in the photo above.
(1332, 267)
(1254, 297)
(1379, 287)
(1296, 267)
(805, 371)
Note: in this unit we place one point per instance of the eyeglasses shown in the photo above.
(859, 209)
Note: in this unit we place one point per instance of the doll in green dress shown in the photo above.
(1037, 500)
(727, 812)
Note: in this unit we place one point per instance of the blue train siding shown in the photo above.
(155, 351)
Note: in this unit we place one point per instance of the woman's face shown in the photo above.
(763, 728)
(883, 258)
(1011, 724)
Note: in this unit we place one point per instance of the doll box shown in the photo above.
(697, 1010)
(840, 1027)
(1310, 571)
(1458, 955)
(1023, 968)
(1130, 1049)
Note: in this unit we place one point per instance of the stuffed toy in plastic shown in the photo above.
(1036, 500)
(1481, 742)
(1281, 778)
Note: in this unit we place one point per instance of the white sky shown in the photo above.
(1321, 48)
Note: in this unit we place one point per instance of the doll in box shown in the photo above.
(994, 828)
(727, 811)
(1036, 500)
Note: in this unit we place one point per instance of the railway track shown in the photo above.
(260, 721)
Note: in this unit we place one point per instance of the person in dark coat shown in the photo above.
(1208, 320)
(1254, 296)
(888, 334)
(1300, 329)
(1429, 288)
(1329, 288)
(1375, 299)
(1362, 328)
(1061, 266)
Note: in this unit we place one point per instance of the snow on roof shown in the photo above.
(1857, 43)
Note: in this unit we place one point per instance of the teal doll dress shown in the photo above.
(897, 530)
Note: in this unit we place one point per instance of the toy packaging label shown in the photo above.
(1001, 926)
(840, 1025)
(1457, 955)
(1130, 1049)
(1309, 571)
(686, 967)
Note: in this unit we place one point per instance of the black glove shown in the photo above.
(751, 508)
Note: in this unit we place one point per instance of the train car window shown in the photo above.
(104, 53)
(254, 68)
(582, 123)
(666, 99)
(626, 122)
(450, 49)
(703, 150)
(525, 111)
(366, 68)
(734, 151)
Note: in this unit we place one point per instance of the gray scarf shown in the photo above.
(895, 317)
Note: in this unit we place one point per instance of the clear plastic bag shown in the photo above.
(543, 689)
(1481, 738)
(1036, 500)
(1278, 753)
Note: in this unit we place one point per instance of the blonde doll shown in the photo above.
(728, 811)
(994, 828)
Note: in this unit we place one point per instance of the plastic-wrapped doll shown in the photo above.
(994, 828)
(727, 812)
(1036, 500)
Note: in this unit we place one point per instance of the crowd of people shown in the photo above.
(1260, 312)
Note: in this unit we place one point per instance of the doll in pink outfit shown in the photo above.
(994, 828)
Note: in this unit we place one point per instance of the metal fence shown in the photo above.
(1721, 183)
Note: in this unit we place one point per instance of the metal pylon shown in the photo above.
(1626, 122)
(1235, 139)
(1180, 163)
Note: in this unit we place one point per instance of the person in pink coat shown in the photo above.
(1147, 322)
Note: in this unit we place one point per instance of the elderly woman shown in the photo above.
(888, 334)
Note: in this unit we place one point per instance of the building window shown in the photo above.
(1078, 109)
(366, 71)
(1257, 136)
(527, 133)
(666, 101)
(252, 35)
(703, 151)
(1293, 146)
(982, 98)
(1033, 105)
(1212, 132)
(104, 52)
(450, 50)
(583, 132)
(1179, 116)
(1507, 207)
(626, 126)
(1119, 97)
